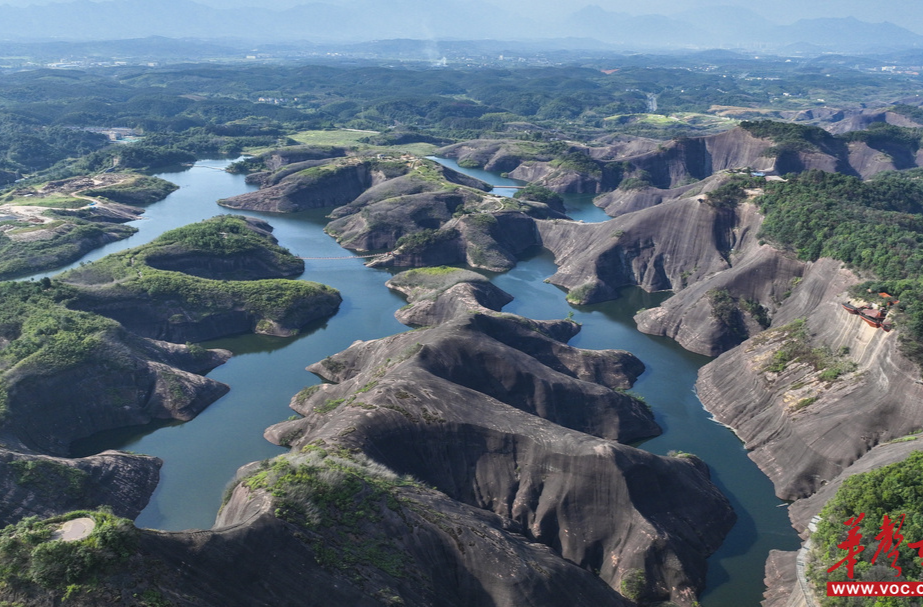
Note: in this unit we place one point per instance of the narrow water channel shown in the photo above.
(200, 456)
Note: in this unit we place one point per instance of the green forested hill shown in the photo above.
(874, 226)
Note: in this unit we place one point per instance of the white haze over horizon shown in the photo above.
(905, 13)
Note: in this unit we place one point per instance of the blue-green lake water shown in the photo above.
(201, 456)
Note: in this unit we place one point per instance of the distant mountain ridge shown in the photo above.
(364, 20)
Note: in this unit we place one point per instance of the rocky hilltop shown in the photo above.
(498, 413)
(629, 164)
(442, 467)
(727, 284)
(805, 425)
(201, 282)
(53, 343)
(330, 182)
(111, 377)
(44, 486)
(766, 311)
(420, 211)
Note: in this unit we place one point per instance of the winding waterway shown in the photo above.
(201, 456)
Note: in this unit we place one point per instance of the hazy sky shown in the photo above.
(905, 13)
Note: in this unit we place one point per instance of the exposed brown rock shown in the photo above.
(802, 447)
(39, 485)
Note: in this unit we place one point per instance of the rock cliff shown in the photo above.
(807, 418)
(498, 413)
(123, 380)
(335, 182)
(436, 295)
(658, 248)
(39, 485)
(436, 471)
(66, 374)
(387, 541)
(328, 185)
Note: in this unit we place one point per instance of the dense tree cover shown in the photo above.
(222, 235)
(731, 193)
(36, 323)
(27, 147)
(71, 238)
(789, 137)
(201, 109)
(539, 193)
(880, 134)
(138, 191)
(40, 330)
(910, 111)
(874, 226)
(893, 490)
(206, 109)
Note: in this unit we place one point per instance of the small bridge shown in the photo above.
(345, 257)
(509, 187)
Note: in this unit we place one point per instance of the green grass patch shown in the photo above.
(578, 295)
(48, 475)
(56, 201)
(29, 557)
(339, 499)
(329, 405)
(351, 139)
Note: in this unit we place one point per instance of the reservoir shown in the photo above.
(201, 456)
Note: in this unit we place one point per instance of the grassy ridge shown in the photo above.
(140, 191)
(128, 275)
(68, 244)
(29, 557)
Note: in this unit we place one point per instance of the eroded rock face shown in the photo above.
(621, 202)
(803, 510)
(37, 485)
(781, 581)
(438, 296)
(338, 182)
(127, 381)
(381, 224)
(491, 154)
(490, 240)
(177, 321)
(659, 248)
(466, 407)
(720, 311)
(439, 552)
(498, 413)
(123, 380)
(803, 430)
(311, 188)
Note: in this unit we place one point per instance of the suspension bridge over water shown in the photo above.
(345, 257)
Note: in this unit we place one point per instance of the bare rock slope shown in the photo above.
(498, 413)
